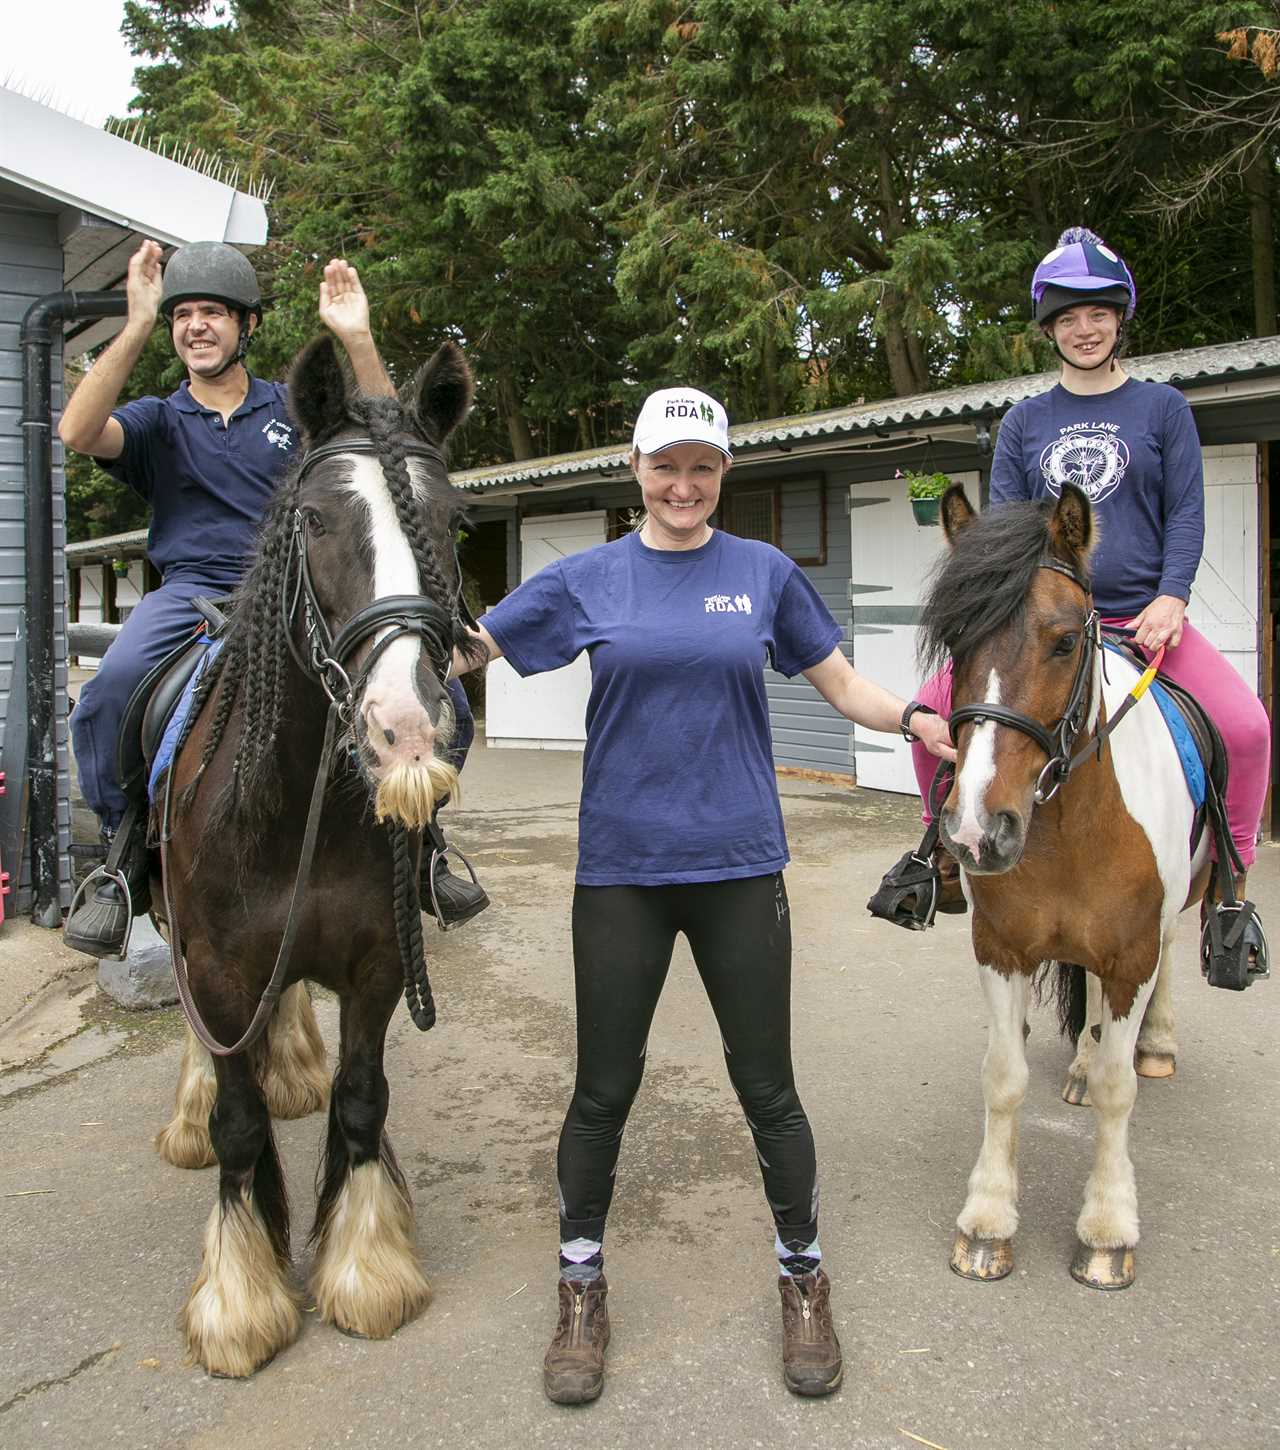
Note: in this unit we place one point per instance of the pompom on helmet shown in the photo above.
(213, 272)
(1082, 268)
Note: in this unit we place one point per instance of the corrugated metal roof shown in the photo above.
(1186, 367)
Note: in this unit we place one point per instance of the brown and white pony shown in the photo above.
(1091, 869)
(351, 599)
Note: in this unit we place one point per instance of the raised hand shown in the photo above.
(344, 308)
(144, 285)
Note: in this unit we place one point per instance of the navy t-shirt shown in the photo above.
(208, 484)
(1136, 453)
(677, 777)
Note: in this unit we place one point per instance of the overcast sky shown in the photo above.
(73, 46)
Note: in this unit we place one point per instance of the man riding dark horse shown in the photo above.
(207, 459)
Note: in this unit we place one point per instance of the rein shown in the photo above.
(325, 661)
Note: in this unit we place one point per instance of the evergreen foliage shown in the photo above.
(791, 203)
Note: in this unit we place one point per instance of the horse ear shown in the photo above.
(317, 388)
(1071, 527)
(442, 391)
(957, 511)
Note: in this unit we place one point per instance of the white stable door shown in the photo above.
(1224, 598)
(892, 556)
(544, 712)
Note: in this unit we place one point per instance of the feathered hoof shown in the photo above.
(366, 1278)
(242, 1311)
(1103, 1268)
(185, 1144)
(1076, 1092)
(984, 1259)
(1154, 1064)
(295, 1080)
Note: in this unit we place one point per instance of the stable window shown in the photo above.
(791, 516)
(753, 513)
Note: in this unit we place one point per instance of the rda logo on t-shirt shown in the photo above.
(1091, 458)
(724, 604)
(281, 434)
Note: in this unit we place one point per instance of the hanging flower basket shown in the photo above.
(925, 491)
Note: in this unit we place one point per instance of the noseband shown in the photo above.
(327, 656)
(1056, 740)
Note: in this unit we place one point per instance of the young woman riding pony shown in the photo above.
(1131, 446)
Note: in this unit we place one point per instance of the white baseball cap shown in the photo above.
(681, 415)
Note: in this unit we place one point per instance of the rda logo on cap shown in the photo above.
(681, 415)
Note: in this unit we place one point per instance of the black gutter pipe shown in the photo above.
(38, 333)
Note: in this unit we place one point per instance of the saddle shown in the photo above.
(141, 730)
(154, 700)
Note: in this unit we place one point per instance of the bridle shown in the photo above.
(1056, 740)
(326, 659)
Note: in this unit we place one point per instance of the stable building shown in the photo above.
(823, 487)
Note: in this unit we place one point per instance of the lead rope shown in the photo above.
(406, 857)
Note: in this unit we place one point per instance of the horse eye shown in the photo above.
(315, 524)
(1066, 645)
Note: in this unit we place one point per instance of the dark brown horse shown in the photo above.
(1092, 870)
(315, 729)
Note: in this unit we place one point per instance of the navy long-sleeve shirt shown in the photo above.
(1136, 454)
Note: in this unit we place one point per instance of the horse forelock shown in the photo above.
(980, 586)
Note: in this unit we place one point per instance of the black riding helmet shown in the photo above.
(213, 272)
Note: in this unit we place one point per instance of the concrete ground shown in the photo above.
(101, 1238)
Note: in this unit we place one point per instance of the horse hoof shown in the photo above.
(1154, 1064)
(974, 1258)
(1076, 1092)
(1103, 1268)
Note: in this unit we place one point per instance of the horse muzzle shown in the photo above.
(989, 847)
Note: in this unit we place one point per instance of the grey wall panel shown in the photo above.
(807, 732)
(30, 268)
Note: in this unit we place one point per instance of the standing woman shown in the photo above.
(680, 830)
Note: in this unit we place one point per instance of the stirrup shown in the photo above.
(440, 854)
(1233, 946)
(908, 894)
(107, 873)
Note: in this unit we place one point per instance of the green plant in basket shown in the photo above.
(925, 485)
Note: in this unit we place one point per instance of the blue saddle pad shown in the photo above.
(169, 740)
(1184, 741)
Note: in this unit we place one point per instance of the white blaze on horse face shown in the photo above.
(976, 776)
(399, 728)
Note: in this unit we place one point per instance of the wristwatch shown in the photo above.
(905, 723)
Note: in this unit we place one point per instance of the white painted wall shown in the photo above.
(544, 712)
(1225, 597)
(891, 559)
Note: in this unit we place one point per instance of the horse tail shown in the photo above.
(1071, 998)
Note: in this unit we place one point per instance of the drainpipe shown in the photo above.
(40, 327)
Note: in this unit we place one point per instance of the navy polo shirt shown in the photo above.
(208, 484)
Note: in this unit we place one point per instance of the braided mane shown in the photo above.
(252, 667)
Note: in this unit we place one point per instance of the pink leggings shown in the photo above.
(1236, 710)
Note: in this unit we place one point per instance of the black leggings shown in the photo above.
(740, 936)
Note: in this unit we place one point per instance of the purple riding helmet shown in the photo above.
(1082, 268)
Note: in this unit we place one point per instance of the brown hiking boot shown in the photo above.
(951, 900)
(573, 1370)
(811, 1362)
